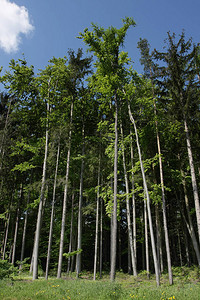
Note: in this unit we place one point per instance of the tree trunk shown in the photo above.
(79, 241)
(148, 201)
(65, 199)
(24, 233)
(71, 234)
(114, 214)
(97, 221)
(41, 203)
(169, 265)
(128, 208)
(6, 235)
(101, 241)
(158, 237)
(52, 213)
(179, 247)
(146, 239)
(16, 227)
(189, 223)
(193, 176)
(2, 150)
(133, 202)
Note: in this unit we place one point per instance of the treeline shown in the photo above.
(100, 166)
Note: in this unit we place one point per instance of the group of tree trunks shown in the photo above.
(98, 163)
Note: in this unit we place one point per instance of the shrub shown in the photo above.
(7, 270)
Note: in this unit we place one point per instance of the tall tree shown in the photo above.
(106, 44)
(78, 68)
(149, 68)
(178, 81)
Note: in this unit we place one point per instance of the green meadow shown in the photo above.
(186, 286)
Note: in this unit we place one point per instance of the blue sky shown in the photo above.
(48, 28)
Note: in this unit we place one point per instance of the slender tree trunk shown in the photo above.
(52, 213)
(15, 237)
(179, 247)
(41, 203)
(6, 237)
(128, 209)
(79, 241)
(133, 202)
(97, 221)
(148, 201)
(16, 227)
(119, 246)
(193, 176)
(129, 258)
(169, 265)
(65, 199)
(158, 237)
(101, 240)
(2, 151)
(24, 233)
(7, 230)
(114, 215)
(189, 223)
(71, 234)
(186, 244)
(146, 239)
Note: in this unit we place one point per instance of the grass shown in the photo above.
(186, 286)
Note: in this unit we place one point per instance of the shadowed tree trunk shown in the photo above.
(130, 234)
(114, 213)
(52, 213)
(148, 200)
(24, 233)
(71, 234)
(133, 201)
(193, 176)
(60, 259)
(16, 227)
(97, 221)
(41, 203)
(79, 241)
(146, 239)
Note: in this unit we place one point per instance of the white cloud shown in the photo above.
(14, 21)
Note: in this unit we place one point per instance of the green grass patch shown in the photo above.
(186, 286)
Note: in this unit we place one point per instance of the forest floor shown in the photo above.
(186, 286)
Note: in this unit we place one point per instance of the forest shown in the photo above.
(100, 165)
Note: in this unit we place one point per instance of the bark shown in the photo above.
(24, 233)
(189, 223)
(60, 259)
(158, 237)
(6, 232)
(119, 247)
(79, 241)
(6, 237)
(52, 213)
(2, 151)
(128, 209)
(179, 248)
(97, 221)
(193, 176)
(133, 204)
(101, 241)
(114, 215)
(169, 265)
(186, 244)
(16, 228)
(71, 234)
(41, 203)
(146, 239)
(148, 201)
